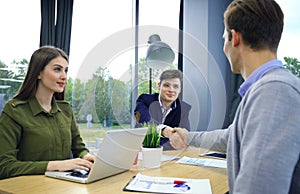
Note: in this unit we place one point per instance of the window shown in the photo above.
(101, 83)
(20, 36)
(102, 53)
(162, 18)
(102, 61)
(290, 40)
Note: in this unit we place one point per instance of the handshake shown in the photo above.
(177, 137)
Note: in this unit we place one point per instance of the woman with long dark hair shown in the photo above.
(38, 131)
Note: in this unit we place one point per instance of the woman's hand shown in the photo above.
(65, 165)
(89, 157)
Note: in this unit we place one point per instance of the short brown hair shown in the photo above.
(259, 21)
(170, 74)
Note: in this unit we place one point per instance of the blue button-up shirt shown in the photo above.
(257, 74)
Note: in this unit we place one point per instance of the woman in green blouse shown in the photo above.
(38, 131)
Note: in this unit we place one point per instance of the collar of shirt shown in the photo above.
(257, 74)
(36, 107)
(164, 111)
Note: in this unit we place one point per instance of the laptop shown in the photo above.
(115, 155)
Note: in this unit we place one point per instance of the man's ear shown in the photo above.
(235, 37)
(158, 85)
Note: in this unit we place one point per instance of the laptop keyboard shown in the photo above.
(79, 174)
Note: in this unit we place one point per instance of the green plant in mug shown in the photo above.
(152, 138)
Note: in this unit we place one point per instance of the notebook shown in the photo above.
(115, 155)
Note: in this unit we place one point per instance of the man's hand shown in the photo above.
(178, 138)
(167, 131)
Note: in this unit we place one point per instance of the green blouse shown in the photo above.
(31, 137)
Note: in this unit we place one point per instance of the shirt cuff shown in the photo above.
(161, 128)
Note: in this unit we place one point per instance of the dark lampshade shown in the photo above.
(159, 54)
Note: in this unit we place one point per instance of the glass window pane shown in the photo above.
(290, 40)
(99, 71)
(156, 17)
(20, 35)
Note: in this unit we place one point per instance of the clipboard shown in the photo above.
(154, 184)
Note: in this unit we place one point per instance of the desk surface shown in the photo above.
(115, 184)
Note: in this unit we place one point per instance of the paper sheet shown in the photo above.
(144, 183)
(203, 162)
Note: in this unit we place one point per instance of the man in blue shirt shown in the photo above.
(263, 142)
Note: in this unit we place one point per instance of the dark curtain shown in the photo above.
(180, 46)
(56, 34)
(47, 23)
(233, 97)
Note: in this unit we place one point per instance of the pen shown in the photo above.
(170, 182)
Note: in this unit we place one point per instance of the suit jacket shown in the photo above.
(150, 111)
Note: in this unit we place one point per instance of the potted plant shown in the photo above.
(151, 149)
(152, 138)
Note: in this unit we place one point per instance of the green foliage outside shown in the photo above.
(293, 64)
(12, 76)
(90, 134)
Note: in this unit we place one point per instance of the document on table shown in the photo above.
(165, 158)
(203, 162)
(152, 184)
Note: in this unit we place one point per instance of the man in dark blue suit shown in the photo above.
(164, 108)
